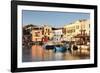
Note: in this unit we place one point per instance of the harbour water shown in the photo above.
(37, 53)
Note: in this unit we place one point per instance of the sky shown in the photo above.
(54, 19)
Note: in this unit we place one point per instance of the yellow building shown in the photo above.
(76, 28)
(47, 31)
(37, 34)
(43, 32)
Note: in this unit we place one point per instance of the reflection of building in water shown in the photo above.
(37, 53)
(57, 34)
(80, 27)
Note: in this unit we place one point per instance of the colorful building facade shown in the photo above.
(80, 27)
(47, 31)
(37, 34)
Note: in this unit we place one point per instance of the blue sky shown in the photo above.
(54, 19)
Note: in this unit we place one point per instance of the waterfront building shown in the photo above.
(57, 34)
(47, 31)
(37, 34)
(72, 31)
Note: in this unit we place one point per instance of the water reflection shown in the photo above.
(38, 53)
(59, 56)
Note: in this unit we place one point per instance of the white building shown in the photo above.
(57, 35)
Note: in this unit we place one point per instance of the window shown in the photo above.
(71, 31)
(64, 30)
(89, 25)
(48, 32)
(37, 34)
(77, 27)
